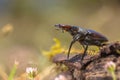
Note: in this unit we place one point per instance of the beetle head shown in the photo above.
(63, 27)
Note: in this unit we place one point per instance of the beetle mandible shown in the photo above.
(84, 36)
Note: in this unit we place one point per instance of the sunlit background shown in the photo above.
(33, 28)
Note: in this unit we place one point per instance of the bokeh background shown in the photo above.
(33, 26)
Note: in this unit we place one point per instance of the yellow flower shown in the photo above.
(58, 48)
(55, 49)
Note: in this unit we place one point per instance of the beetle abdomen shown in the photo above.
(96, 36)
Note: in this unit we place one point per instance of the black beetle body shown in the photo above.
(84, 36)
(94, 38)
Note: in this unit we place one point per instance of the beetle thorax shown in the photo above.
(82, 31)
(74, 30)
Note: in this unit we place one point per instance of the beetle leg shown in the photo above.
(70, 48)
(83, 46)
(84, 53)
(75, 38)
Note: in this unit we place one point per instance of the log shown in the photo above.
(93, 66)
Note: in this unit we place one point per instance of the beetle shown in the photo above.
(85, 37)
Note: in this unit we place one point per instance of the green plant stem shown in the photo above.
(113, 75)
(12, 73)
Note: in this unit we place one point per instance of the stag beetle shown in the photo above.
(84, 36)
